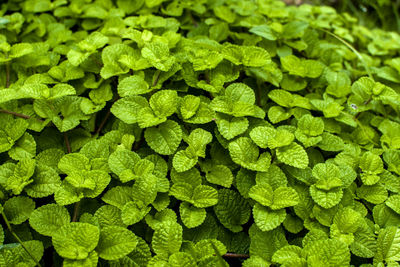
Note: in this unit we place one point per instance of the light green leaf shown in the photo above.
(47, 219)
(115, 242)
(18, 209)
(230, 127)
(293, 155)
(90, 261)
(133, 85)
(122, 160)
(197, 140)
(263, 194)
(302, 67)
(204, 196)
(245, 153)
(191, 216)
(287, 255)
(158, 55)
(184, 160)
(128, 108)
(388, 244)
(46, 181)
(393, 202)
(267, 219)
(182, 191)
(165, 138)
(25, 148)
(189, 106)
(132, 213)
(75, 240)
(73, 162)
(220, 175)
(284, 197)
(164, 103)
(167, 239)
(326, 199)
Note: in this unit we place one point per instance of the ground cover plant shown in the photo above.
(197, 133)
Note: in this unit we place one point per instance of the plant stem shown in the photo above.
(103, 122)
(76, 211)
(352, 49)
(67, 144)
(17, 238)
(156, 77)
(15, 114)
(77, 204)
(7, 74)
(234, 255)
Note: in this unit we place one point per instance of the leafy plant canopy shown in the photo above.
(187, 133)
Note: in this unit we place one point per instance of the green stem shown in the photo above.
(18, 239)
(7, 74)
(352, 49)
(156, 77)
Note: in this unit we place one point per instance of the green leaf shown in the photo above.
(311, 126)
(106, 215)
(302, 67)
(232, 210)
(114, 59)
(264, 31)
(189, 106)
(328, 251)
(158, 55)
(184, 160)
(75, 240)
(165, 138)
(182, 191)
(293, 155)
(371, 165)
(18, 209)
(21, 176)
(287, 255)
(133, 85)
(90, 261)
(14, 254)
(122, 160)
(284, 197)
(197, 140)
(393, 203)
(191, 216)
(164, 103)
(167, 239)
(132, 213)
(326, 199)
(47, 219)
(128, 108)
(115, 242)
(230, 127)
(25, 148)
(267, 219)
(255, 56)
(204, 196)
(388, 247)
(73, 162)
(220, 175)
(263, 194)
(245, 153)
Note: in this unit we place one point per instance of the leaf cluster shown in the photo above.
(182, 133)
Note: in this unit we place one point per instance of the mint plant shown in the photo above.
(197, 133)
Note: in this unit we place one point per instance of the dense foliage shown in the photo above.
(188, 133)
